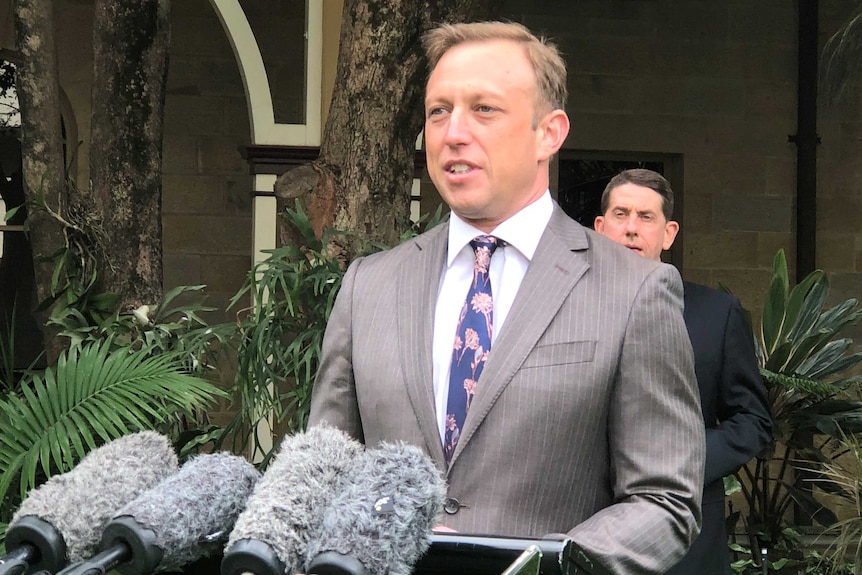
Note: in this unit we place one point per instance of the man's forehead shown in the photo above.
(634, 194)
(628, 208)
(632, 205)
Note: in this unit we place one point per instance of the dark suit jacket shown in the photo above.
(735, 411)
(586, 418)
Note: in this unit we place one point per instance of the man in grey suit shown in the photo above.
(637, 211)
(583, 416)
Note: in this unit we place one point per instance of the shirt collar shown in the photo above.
(522, 231)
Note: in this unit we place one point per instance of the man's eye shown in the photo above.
(484, 109)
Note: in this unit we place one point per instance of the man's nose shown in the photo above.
(457, 129)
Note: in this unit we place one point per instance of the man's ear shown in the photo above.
(599, 224)
(670, 231)
(553, 128)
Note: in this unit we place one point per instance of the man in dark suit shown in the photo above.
(637, 206)
(577, 377)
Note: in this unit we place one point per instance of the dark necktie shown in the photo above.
(472, 342)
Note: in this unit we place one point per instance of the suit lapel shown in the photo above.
(418, 282)
(561, 259)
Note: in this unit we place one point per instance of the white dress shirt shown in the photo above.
(521, 233)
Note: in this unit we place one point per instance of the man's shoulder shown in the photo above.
(408, 248)
(610, 255)
(700, 300)
(602, 252)
(695, 291)
(605, 245)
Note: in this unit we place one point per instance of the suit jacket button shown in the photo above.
(451, 505)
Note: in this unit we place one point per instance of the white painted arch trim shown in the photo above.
(264, 130)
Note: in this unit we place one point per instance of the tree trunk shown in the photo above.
(130, 44)
(362, 179)
(41, 144)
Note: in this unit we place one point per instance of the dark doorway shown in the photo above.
(581, 183)
(20, 334)
(583, 175)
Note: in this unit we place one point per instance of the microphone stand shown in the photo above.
(17, 562)
(102, 563)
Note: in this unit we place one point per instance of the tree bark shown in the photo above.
(362, 179)
(41, 144)
(130, 44)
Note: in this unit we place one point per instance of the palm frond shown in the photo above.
(92, 396)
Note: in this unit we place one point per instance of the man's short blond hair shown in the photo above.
(544, 56)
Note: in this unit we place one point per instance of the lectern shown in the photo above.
(462, 554)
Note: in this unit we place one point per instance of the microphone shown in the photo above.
(381, 522)
(64, 517)
(182, 519)
(284, 513)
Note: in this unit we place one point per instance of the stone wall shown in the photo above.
(715, 83)
(710, 83)
(207, 186)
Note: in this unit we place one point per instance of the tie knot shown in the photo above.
(490, 243)
(483, 249)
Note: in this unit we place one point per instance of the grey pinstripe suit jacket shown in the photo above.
(586, 419)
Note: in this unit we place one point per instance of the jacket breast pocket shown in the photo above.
(560, 354)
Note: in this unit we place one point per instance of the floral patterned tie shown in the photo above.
(472, 342)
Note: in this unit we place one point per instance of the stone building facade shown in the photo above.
(705, 90)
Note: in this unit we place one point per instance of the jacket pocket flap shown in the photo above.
(561, 353)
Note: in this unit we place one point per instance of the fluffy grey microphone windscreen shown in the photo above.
(384, 515)
(187, 516)
(285, 511)
(80, 503)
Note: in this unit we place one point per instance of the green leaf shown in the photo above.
(778, 358)
(809, 313)
(10, 213)
(58, 270)
(827, 355)
(105, 301)
(803, 349)
(731, 485)
(796, 300)
(165, 309)
(774, 309)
